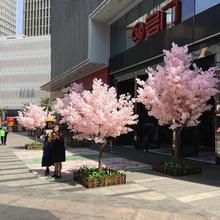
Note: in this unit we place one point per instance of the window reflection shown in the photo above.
(202, 5)
(121, 30)
(188, 8)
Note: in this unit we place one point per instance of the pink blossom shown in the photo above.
(32, 117)
(176, 94)
(97, 114)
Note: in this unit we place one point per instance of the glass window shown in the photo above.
(202, 5)
(121, 30)
(188, 9)
(158, 2)
(145, 6)
(120, 35)
(113, 40)
(132, 15)
(131, 19)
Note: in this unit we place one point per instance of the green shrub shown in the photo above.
(95, 172)
(176, 166)
(78, 144)
(34, 146)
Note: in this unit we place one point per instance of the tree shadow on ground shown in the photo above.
(13, 212)
(210, 173)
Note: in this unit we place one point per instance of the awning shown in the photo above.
(109, 9)
(83, 69)
(87, 80)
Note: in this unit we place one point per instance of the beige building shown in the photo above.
(7, 17)
(25, 66)
(36, 17)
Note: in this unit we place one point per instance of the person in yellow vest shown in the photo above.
(2, 135)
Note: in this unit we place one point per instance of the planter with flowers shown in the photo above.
(93, 177)
(176, 169)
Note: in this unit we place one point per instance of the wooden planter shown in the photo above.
(92, 182)
(191, 170)
(33, 147)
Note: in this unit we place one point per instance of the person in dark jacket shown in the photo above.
(58, 151)
(47, 153)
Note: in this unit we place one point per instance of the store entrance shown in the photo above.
(123, 87)
(202, 146)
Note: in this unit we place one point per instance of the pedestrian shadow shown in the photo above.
(67, 176)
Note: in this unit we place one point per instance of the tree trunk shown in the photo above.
(176, 144)
(36, 138)
(101, 152)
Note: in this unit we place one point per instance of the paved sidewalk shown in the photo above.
(26, 194)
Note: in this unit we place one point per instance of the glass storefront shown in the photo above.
(197, 142)
(121, 30)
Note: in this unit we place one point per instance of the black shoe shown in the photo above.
(47, 171)
(54, 175)
(58, 177)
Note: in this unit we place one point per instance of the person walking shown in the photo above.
(46, 137)
(58, 151)
(6, 129)
(2, 135)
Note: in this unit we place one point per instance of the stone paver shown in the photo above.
(26, 194)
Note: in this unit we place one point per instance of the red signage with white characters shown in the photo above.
(156, 22)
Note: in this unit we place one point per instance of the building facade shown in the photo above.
(139, 31)
(25, 66)
(128, 36)
(36, 17)
(74, 55)
(7, 17)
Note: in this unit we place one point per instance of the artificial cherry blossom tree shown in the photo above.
(97, 114)
(32, 117)
(177, 93)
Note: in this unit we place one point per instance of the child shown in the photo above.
(2, 135)
(58, 151)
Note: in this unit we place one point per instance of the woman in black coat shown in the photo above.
(47, 153)
(58, 151)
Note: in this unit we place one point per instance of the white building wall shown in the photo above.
(25, 65)
(7, 17)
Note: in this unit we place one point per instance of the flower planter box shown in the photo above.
(189, 170)
(33, 146)
(92, 182)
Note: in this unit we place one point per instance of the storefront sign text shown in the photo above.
(156, 22)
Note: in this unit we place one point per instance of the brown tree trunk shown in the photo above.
(176, 144)
(101, 152)
(35, 134)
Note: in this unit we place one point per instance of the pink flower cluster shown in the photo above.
(176, 93)
(97, 114)
(32, 117)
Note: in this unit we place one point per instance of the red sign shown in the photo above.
(156, 22)
(138, 32)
